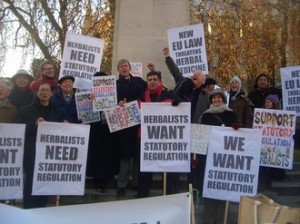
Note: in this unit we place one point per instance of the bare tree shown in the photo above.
(41, 25)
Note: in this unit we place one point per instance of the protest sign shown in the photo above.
(165, 137)
(232, 163)
(136, 69)
(187, 48)
(119, 118)
(82, 56)
(105, 92)
(200, 134)
(60, 161)
(170, 209)
(277, 143)
(290, 79)
(11, 160)
(84, 106)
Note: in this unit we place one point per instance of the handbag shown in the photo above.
(260, 209)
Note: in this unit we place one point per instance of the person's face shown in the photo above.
(262, 82)
(48, 71)
(153, 82)
(217, 100)
(44, 93)
(22, 81)
(210, 87)
(234, 86)
(4, 90)
(198, 79)
(124, 69)
(66, 86)
(268, 104)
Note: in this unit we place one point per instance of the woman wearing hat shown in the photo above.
(21, 93)
(266, 174)
(64, 99)
(218, 114)
(240, 104)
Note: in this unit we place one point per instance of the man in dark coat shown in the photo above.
(155, 92)
(128, 89)
(64, 99)
(40, 110)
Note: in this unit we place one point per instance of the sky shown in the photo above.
(13, 63)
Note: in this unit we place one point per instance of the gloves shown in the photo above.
(235, 125)
(175, 103)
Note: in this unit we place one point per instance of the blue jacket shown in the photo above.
(67, 109)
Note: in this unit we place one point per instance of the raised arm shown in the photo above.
(174, 70)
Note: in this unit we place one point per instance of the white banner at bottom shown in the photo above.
(171, 209)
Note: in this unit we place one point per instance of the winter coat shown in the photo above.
(34, 86)
(8, 112)
(130, 89)
(28, 115)
(185, 90)
(227, 118)
(21, 98)
(67, 109)
(243, 107)
(258, 96)
(126, 139)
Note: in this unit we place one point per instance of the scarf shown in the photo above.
(4, 103)
(156, 92)
(217, 110)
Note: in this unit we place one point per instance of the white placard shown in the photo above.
(290, 81)
(187, 48)
(60, 162)
(277, 143)
(232, 163)
(105, 92)
(165, 137)
(11, 160)
(200, 134)
(170, 209)
(119, 118)
(84, 106)
(82, 58)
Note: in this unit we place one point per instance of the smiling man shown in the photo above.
(39, 111)
(47, 73)
(64, 99)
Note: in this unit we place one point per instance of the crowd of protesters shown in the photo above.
(24, 100)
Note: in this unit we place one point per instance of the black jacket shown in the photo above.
(130, 89)
(20, 99)
(228, 118)
(28, 115)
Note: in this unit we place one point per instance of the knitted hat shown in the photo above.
(273, 98)
(21, 72)
(238, 80)
(217, 92)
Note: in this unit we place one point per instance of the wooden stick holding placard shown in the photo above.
(226, 212)
(192, 204)
(57, 200)
(164, 183)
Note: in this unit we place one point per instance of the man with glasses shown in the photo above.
(47, 76)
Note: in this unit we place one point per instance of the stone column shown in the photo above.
(140, 32)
